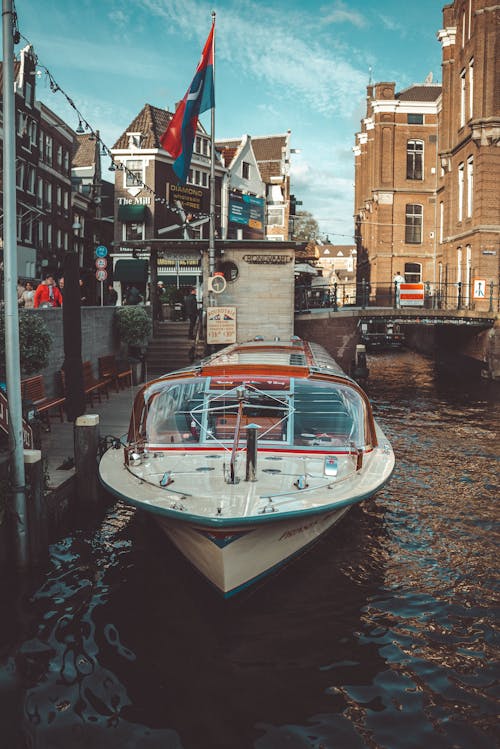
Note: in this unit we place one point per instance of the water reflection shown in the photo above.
(381, 636)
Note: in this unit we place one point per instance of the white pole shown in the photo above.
(211, 248)
(13, 367)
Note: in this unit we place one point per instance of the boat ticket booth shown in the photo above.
(250, 293)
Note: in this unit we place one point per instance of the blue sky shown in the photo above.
(280, 65)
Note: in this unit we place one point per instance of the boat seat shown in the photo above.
(271, 427)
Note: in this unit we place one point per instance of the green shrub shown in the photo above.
(133, 325)
(35, 342)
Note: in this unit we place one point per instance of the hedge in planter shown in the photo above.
(35, 342)
(133, 325)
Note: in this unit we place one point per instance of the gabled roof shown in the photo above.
(268, 150)
(151, 122)
(84, 151)
(227, 154)
(420, 92)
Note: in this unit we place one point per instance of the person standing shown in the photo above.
(191, 310)
(133, 296)
(27, 296)
(397, 281)
(111, 296)
(47, 294)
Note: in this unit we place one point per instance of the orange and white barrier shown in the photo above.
(411, 294)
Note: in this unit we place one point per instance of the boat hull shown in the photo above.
(234, 558)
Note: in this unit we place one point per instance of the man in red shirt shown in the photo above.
(47, 294)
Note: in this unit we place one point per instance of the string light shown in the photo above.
(94, 135)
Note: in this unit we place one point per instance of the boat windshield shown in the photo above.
(291, 412)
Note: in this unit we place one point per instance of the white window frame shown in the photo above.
(49, 235)
(129, 181)
(470, 186)
(441, 222)
(415, 147)
(20, 172)
(39, 193)
(460, 195)
(276, 215)
(30, 186)
(471, 88)
(412, 226)
(142, 231)
(462, 97)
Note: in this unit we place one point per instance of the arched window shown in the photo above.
(415, 159)
(413, 224)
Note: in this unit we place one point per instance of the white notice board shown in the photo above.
(221, 325)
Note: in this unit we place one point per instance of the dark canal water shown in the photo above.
(383, 635)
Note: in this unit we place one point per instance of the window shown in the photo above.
(415, 119)
(245, 170)
(462, 98)
(59, 156)
(66, 161)
(48, 195)
(133, 231)
(31, 180)
(460, 206)
(58, 196)
(48, 149)
(441, 222)
(463, 29)
(276, 216)
(39, 194)
(469, 28)
(49, 235)
(133, 175)
(28, 94)
(20, 175)
(413, 225)
(413, 272)
(59, 238)
(471, 87)
(198, 177)
(470, 185)
(40, 233)
(414, 159)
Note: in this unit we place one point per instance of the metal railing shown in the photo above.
(363, 294)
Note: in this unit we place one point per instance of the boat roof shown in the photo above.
(293, 358)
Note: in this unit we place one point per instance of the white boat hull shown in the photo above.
(233, 559)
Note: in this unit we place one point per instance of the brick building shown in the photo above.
(395, 186)
(468, 224)
(427, 168)
(151, 205)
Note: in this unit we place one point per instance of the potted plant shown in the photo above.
(134, 329)
(35, 343)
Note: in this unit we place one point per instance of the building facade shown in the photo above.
(468, 224)
(151, 205)
(395, 186)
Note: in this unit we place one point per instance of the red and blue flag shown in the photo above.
(179, 136)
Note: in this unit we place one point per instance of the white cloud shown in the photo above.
(339, 12)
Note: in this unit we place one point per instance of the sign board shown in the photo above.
(101, 262)
(221, 325)
(4, 422)
(101, 251)
(411, 294)
(479, 288)
(101, 274)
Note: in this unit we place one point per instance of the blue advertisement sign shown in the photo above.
(248, 212)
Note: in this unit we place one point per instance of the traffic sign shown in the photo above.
(101, 251)
(101, 275)
(101, 262)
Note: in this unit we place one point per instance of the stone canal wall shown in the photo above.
(337, 332)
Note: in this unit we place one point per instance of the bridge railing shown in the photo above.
(478, 295)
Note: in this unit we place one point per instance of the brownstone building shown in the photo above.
(395, 186)
(468, 201)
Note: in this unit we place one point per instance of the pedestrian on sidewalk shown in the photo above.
(397, 281)
(191, 310)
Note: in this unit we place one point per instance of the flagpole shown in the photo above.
(211, 240)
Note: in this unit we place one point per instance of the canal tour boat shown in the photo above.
(249, 456)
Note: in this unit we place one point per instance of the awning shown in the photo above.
(305, 268)
(135, 214)
(131, 270)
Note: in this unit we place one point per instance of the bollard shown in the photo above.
(36, 514)
(251, 467)
(86, 440)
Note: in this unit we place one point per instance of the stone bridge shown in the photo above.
(473, 336)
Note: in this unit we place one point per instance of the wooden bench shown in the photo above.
(33, 389)
(110, 369)
(271, 428)
(91, 385)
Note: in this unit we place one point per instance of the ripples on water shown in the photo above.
(382, 636)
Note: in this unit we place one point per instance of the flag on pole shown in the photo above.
(179, 136)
